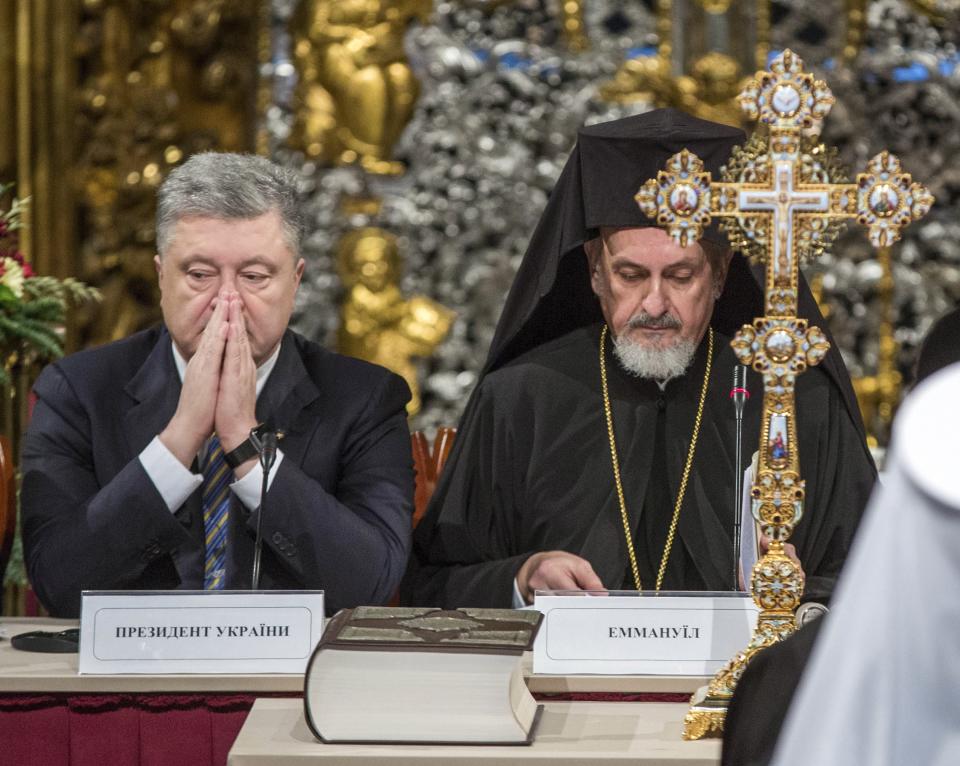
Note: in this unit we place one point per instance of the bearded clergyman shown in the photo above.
(597, 451)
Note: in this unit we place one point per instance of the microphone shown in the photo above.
(268, 452)
(268, 456)
(739, 394)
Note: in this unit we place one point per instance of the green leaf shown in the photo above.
(7, 295)
(37, 338)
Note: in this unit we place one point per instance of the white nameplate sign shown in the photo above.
(160, 632)
(626, 633)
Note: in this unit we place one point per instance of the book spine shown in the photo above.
(332, 632)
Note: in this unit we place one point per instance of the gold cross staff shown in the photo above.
(781, 203)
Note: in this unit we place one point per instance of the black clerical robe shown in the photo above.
(534, 473)
(762, 698)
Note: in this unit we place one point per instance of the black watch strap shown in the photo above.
(246, 450)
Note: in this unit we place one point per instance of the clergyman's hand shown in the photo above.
(789, 550)
(192, 423)
(556, 570)
(237, 397)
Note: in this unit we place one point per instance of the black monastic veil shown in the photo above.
(531, 469)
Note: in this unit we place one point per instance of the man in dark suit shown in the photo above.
(140, 466)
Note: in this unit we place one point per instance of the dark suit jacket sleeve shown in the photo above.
(352, 542)
(83, 528)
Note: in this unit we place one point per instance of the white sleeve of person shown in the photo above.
(881, 685)
(173, 480)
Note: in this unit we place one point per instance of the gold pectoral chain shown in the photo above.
(668, 546)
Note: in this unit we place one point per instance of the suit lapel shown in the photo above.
(155, 390)
(288, 390)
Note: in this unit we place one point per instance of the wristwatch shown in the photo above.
(248, 449)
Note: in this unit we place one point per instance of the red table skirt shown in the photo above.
(120, 729)
(613, 697)
(153, 729)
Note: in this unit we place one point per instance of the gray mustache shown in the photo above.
(662, 322)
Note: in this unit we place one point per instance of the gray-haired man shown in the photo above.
(139, 466)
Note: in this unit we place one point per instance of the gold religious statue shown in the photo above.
(709, 92)
(698, 65)
(782, 201)
(376, 322)
(356, 90)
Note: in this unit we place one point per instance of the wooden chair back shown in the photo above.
(428, 463)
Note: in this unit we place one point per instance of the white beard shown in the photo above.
(658, 363)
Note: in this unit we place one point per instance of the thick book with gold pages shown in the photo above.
(419, 675)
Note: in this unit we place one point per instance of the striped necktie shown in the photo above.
(215, 499)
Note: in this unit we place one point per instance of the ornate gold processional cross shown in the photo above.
(779, 203)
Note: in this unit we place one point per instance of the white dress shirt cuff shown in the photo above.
(173, 480)
(247, 489)
(518, 602)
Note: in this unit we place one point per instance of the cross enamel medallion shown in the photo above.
(777, 203)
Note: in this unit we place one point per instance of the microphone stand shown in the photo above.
(268, 455)
(739, 394)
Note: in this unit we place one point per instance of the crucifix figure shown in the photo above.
(780, 203)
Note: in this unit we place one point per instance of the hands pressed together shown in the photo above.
(219, 388)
